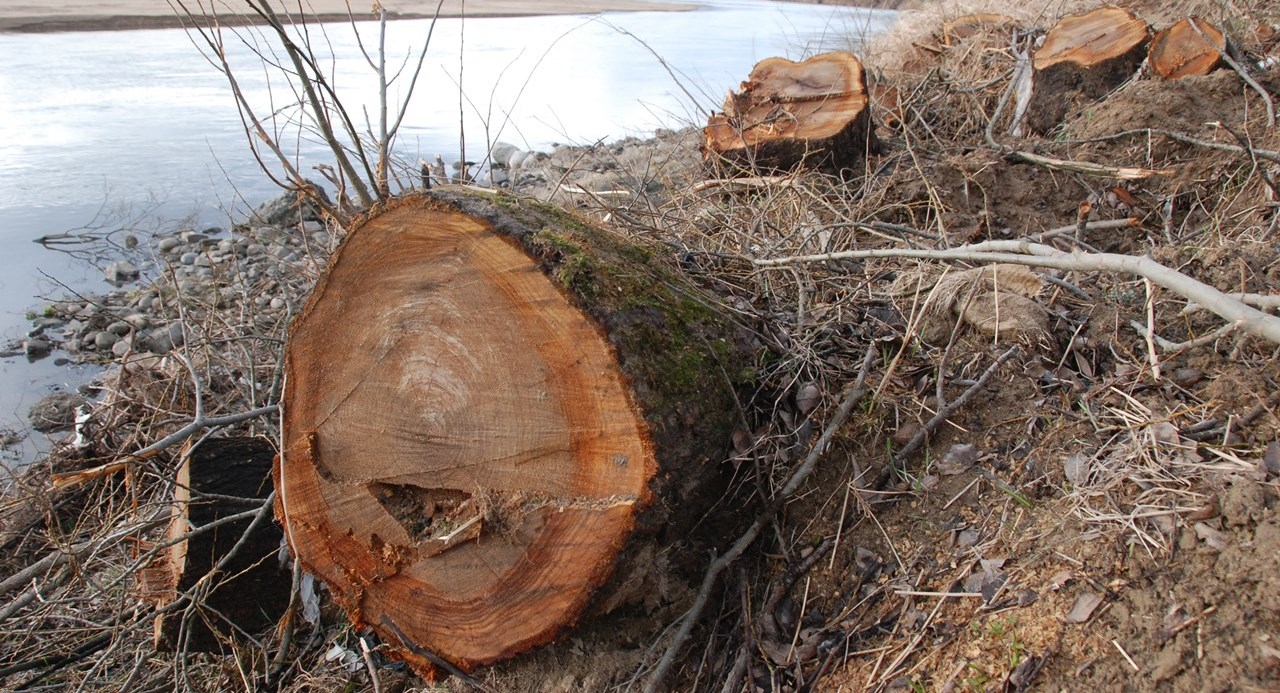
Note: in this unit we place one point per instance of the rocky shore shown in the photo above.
(260, 268)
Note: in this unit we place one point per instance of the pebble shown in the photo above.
(188, 258)
(104, 340)
(119, 328)
(137, 321)
(36, 348)
(193, 237)
(55, 411)
(162, 340)
(121, 271)
(277, 303)
(167, 244)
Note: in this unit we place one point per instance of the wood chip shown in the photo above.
(1084, 607)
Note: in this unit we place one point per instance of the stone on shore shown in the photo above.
(56, 411)
(121, 271)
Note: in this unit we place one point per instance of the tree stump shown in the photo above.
(252, 590)
(1084, 57)
(1181, 51)
(813, 112)
(489, 405)
(961, 29)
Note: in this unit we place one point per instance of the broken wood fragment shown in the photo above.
(1180, 51)
(491, 407)
(814, 113)
(1083, 58)
(251, 591)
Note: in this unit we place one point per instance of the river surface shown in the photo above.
(136, 129)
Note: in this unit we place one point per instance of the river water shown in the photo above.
(137, 129)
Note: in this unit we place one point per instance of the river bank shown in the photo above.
(103, 15)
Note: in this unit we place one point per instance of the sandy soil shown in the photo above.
(89, 15)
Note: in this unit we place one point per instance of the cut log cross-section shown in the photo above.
(1083, 57)
(787, 113)
(487, 402)
(1181, 51)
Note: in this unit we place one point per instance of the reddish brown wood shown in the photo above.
(488, 404)
(1182, 51)
(789, 113)
(1083, 58)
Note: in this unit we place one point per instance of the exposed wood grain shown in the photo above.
(787, 113)
(1179, 51)
(464, 454)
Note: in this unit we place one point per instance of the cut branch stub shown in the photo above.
(1084, 56)
(486, 400)
(813, 112)
(1180, 51)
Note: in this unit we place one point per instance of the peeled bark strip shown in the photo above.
(1180, 51)
(489, 404)
(1084, 57)
(813, 112)
(252, 590)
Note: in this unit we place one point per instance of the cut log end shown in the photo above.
(1083, 58)
(1182, 51)
(813, 112)
(464, 455)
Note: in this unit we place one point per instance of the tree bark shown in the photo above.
(252, 590)
(786, 114)
(1180, 51)
(1083, 58)
(491, 406)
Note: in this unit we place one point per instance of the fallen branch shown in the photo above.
(1224, 305)
(1185, 139)
(1088, 168)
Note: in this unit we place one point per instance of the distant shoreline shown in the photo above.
(104, 15)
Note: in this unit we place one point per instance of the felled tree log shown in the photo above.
(813, 112)
(490, 405)
(1181, 51)
(251, 591)
(1084, 56)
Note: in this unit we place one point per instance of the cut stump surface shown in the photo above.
(813, 112)
(478, 410)
(1181, 51)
